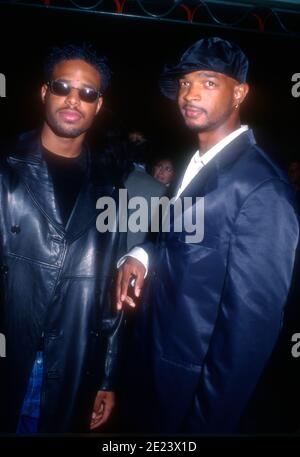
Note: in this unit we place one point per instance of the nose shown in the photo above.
(192, 93)
(73, 99)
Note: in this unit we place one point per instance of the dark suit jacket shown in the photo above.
(212, 311)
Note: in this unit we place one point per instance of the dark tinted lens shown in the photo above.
(87, 94)
(63, 88)
(60, 88)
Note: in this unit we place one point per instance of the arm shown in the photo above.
(259, 272)
(113, 325)
(111, 334)
(112, 330)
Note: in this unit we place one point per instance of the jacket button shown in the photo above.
(4, 269)
(15, 229)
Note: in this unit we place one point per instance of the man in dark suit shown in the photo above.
(212, 310)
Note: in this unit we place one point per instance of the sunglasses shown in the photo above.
(63, 88)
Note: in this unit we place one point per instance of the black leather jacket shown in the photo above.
(56, 281)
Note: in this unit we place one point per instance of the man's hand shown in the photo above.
(103, 406)
(131, 269)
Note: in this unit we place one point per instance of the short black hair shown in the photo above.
(84, 51)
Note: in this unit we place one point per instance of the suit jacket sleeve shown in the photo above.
(259, 272)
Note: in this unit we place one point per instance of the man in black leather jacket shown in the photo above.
(62, 335)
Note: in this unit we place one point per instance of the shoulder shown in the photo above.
(7, 147)
(266, 185)
(22, 143)
(256, 169)
(253, 177)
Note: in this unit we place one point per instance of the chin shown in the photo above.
(66, 132)
(196, 127)
(193, 125)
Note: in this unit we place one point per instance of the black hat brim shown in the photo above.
(168, 81)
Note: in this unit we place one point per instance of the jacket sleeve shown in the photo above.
(113, 321)
(259, 272)
(112, 331)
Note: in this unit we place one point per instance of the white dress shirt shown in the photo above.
(197, 162)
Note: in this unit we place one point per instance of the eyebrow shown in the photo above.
(210, 75)
(67, 80)
(205, 75)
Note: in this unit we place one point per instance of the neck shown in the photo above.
(210, 138)
(62, 146)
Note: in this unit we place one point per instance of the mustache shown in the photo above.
(70, 109)
(189, 106)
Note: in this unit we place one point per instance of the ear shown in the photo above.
(43, 92)
(99, 104)
(240, 93)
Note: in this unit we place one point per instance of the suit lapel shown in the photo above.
(207, 178)
(234, 150)
(205, 181)
(174, 187)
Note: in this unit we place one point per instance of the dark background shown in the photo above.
(137, 50)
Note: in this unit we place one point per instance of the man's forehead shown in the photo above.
(76, 70)
(206, 74)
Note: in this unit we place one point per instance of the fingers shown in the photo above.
(105, 415)
(118, 288)
(131, 269)
(129, 302)
(103, 407)
(96, 423)
(139, 283)
(128, 272)
(98, 409)
(122, 283)
(96, 417)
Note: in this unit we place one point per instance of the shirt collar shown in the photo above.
(212, 152)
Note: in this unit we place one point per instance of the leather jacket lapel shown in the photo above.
(31, 168)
